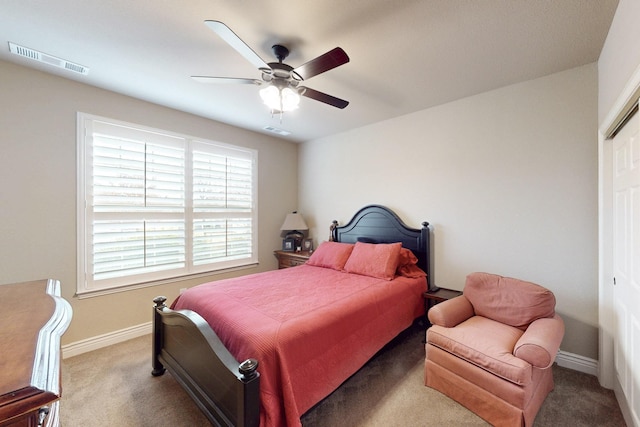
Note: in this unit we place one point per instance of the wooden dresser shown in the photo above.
(32, 320)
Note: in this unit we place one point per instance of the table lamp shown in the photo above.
(294, 225)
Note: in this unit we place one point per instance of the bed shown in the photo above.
(283, 340)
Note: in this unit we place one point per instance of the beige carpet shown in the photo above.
(114, 387)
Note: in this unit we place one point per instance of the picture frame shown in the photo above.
(307, 245)
(288, 245)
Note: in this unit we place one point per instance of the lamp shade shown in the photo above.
(294, 221)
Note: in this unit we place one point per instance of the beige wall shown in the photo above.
(507, 179)
(38, 188)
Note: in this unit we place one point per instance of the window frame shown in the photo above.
(86, 286)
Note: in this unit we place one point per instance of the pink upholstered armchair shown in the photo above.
(492, 348)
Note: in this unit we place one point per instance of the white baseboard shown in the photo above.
(577, 363)
(564, 359)
(100, 341)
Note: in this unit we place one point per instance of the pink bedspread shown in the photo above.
(309, 327)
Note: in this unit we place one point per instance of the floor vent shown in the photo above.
(47, 59)
(276, 130)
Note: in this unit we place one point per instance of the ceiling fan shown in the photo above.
(282, 89)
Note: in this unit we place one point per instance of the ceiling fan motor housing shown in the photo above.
(281, 52)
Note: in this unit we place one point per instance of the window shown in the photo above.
(154, 205)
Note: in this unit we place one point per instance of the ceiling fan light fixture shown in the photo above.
(280, 99)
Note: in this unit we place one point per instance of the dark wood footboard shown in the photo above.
(228, 392)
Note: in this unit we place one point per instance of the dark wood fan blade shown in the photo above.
(224, 80)
(330, 60)
(323, 97)
(236, 42)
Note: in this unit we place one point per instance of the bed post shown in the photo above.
(333, 232)
(426, 244)
(158, 368)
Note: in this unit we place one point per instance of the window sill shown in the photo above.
(125, 288)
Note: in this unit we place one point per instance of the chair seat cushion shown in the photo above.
(485, 343)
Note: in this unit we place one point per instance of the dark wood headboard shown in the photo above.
(379, 224)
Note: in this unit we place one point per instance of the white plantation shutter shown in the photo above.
(222, 182)
(156, 205)
(125, 248)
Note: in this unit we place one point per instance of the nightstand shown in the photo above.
(291, 259)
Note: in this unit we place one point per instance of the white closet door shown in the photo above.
(626, 262)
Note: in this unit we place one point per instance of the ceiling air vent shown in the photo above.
(276, 130)
(47, 59)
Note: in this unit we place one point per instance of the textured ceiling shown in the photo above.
(406, 55)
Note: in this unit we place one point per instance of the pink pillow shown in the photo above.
(407, 265)
(331, 255)
(406, 258)
(376, 260)
(410, 270)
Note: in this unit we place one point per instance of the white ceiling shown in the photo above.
(406, 55)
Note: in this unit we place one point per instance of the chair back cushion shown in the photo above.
(511, 301)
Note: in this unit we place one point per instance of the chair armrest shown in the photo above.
(451, 312)
(540, 342)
